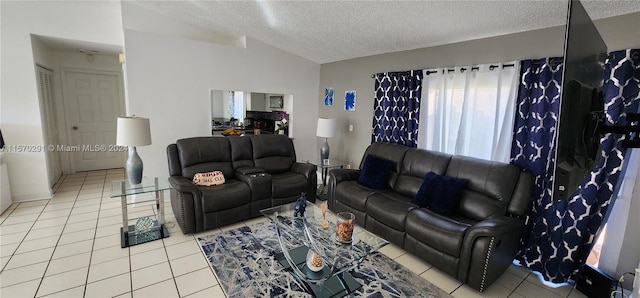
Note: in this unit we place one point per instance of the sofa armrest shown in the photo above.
(488, 249)
(260, 185)
(339, 175)
(494, 227)
(184, 185)
(306, 169)
(249, 170)
(185, 203)
(336, 176)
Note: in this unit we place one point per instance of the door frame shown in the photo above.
(50, 125)
(70, 161)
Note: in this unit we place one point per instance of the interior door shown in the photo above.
(49, 128)
(94, 101)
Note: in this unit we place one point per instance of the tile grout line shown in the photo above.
(173, 276)
(56, 246)
(27, 233)
(519, 284)
(59, 237)
(95, 232)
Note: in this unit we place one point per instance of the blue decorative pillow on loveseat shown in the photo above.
(375, 171)
(440, 193)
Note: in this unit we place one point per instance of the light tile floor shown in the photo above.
(69, 246)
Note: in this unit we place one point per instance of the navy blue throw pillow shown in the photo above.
(440, 193)
(375, 171)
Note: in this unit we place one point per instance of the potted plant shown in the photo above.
(282, 125)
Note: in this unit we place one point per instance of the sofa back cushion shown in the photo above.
(490, 187)
(415, 165)
(392, 152)
(241, 152)
(205, 154)
(273, 153)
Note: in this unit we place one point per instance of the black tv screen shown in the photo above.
(577, 141)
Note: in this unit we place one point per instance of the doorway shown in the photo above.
(93, 100)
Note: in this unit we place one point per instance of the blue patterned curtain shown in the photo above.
(559, 234)
(396, 107)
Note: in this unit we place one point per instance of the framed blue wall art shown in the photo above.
(350, 100)
(328, 96)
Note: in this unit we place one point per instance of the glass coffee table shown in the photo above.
(302, 237)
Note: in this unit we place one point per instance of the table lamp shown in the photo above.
(326, 129)
(133, 131)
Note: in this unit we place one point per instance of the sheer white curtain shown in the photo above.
(469, 111)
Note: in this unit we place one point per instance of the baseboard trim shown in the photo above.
(31, 197)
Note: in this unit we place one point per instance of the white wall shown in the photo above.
(98, 22)
(169, 78)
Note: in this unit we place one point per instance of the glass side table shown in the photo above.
(325, 165)
(145, 228)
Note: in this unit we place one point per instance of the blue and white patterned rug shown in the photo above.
(243, 260)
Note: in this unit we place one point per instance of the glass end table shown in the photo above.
(325, 165)
(145, 228)
(298, 236)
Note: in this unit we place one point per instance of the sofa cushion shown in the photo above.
(353, 194)
(287, 184)
(415, 165)
(273, 153)
(390, 209)
(232, 194)
(241, 152)
(440, 193)
(375, 172)
(491, 185)
(442, 233)
(205, 154)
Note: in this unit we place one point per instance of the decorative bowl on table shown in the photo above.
(314, 261)
(231, 132)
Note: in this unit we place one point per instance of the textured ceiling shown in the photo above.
(328, 31)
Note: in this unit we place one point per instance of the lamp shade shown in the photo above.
(326, 127)
(133, 131)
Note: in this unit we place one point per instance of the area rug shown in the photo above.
(243, 261)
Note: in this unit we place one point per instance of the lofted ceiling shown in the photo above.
(328, 31)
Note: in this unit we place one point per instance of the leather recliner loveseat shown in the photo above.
(260, 172)
(475, 244)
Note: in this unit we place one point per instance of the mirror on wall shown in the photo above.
(235, 112)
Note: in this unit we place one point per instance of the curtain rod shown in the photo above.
(463, 69)
(374, 75)
(491, 67)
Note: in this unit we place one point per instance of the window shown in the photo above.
(469, 111)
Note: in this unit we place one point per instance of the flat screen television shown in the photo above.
(577, 140)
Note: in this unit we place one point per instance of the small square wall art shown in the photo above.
(328, 96)
(350, 100)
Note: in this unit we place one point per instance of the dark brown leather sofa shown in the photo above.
(260, 171)
(476, 244)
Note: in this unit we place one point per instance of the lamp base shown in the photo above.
(134, 167)
(324, 150)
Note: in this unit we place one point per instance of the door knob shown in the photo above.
(75, 128)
